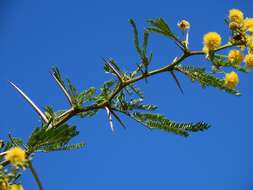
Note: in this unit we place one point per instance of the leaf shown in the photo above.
(205, 79)
(60, 147)
(157, 121)
(136, 37)
(136, 90)
(161, 27)
(14, 141)
(136, 104)
(44, 137)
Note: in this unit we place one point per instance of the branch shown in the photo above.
(124, 84)
(35, 175)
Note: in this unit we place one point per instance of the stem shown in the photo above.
(124, 84)
(35, 175)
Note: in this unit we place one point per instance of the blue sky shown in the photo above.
(74, 35)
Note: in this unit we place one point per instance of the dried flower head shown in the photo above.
(183, 25)
(234, 26)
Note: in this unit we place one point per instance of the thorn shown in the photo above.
(115, 71)
(177, 81)
(110, 118)
(118, 119)
(187, 39)
(39, 112)
(174, 60)
(62, 88)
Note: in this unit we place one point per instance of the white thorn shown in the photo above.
(110, 118)
(41, 114)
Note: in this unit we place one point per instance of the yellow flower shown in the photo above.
(4, 185)
(205, 50)
(212, 40)
(231, 80)
(16, 156)
(236, 15)
(183, 25)
(16, 187)
(249, 60)
(250, 47)
(248, 24)
(235, 56)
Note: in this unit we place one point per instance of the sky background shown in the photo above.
(74, 35)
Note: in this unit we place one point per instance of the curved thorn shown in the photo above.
(110, 118)
(41, 114)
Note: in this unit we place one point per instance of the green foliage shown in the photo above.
(205, 79)
(161, 27)
(60, 147)
(13, 142)
(157, 121)
(48, 138)
(132, 89)
(220, 61)
(76, 99)
(142, 51)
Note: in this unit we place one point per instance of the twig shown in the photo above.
(35, 175)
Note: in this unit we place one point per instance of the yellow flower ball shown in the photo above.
(4, 185)
(248, 24)
(250, 47)
(231, 80)
(16, 156)
(16, 187)
(236, 15)
(235, 56)
(212, 40)
(184, 25)
(249, 60)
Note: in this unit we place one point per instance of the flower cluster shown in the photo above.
(242, 37)
(16, 156)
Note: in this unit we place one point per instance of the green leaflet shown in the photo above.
(221, 61)
(76, 99)
(205, 79)
(43, 138)
(133, 89)
(14, 141)
(142, 51)
(59, 147)
(161, 27)
(157, 121)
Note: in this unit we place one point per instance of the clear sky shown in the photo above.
(74, 35)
